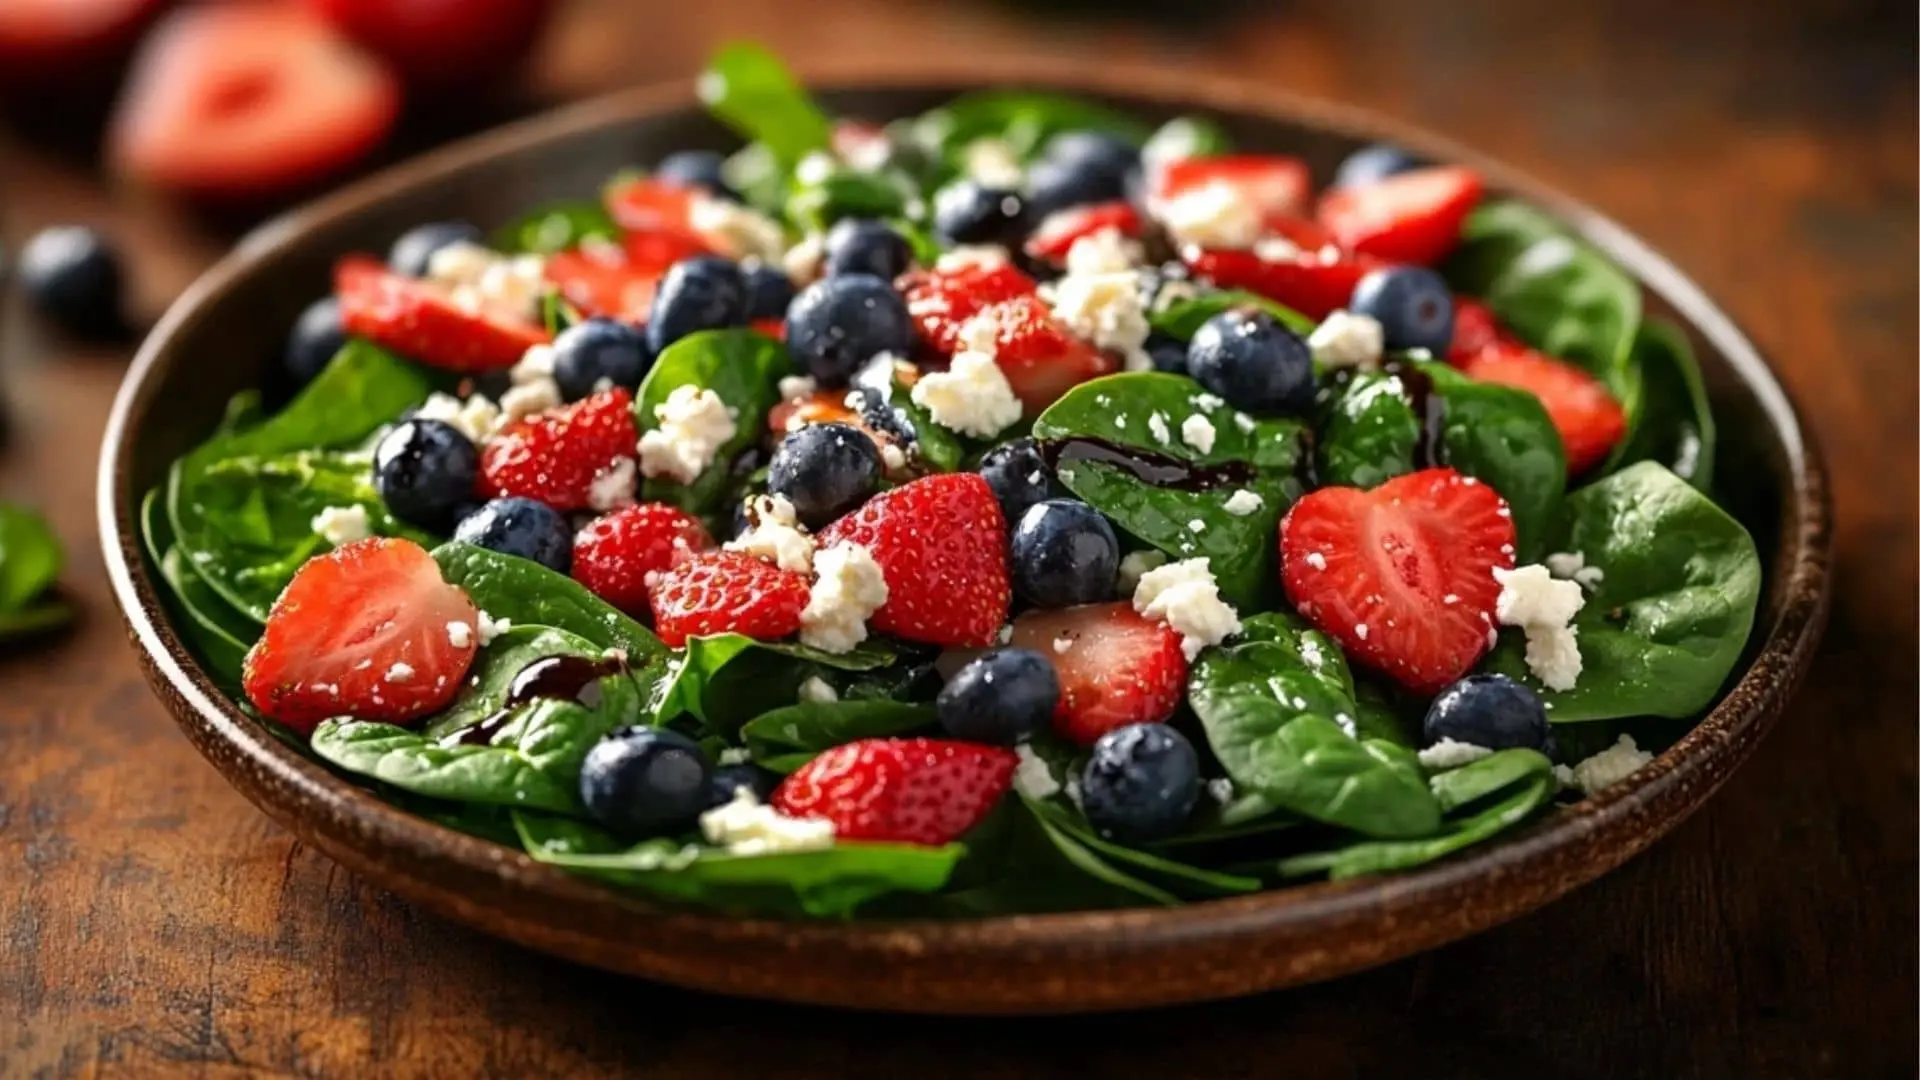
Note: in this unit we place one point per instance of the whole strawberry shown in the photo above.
(911, 791)
(559, 457)
(614, 555)
(718, 592)
(941, 543)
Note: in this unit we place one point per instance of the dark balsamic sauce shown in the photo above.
(550, 678)
(1429, 408)
(1146, 466)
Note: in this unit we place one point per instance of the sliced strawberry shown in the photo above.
(557, 456)
(1402, 575)
(249, 100)
(417, 318)
(773, 328)
(1040, 357)
(1116, 666)
(1274, 183)
(1055, 236)
(443, 44)
(614, 555)
(1474, 328)
(818, 407)
(654, 207)
(941, 542)
(368, 630)
(909, 791)
(1587, 417)
(1411, 217)
(941, 301)
(1314, 283)
(67, 41)
(718, 592)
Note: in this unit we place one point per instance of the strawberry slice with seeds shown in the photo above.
(1401, 575)
(1055, 236)
(417, 319)
(909, 791)
(718, 592)
(1274, 183)
(556, 456)
(1116, 666)
(1411, 217)
(1040, 357)
(941, 542)
(368, 630)
(1587, 417)
(614, 555)
(1314, 282)
(1474, 328)
(653, 207)
(941, 301)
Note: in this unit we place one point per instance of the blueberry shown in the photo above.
(1247, 357)
(1077, 168)
(704, 292)
(1487, 710)
(696, 169)
(1370, 164)
(424, 471)
(825, 470)
(1064, 553)
(728, 779)
(967, 212)
(587, 352)
(317, 335)
(645, 781)
(1169, 354)
(1413, 304)
(1018, 476)
(1096, 151)
(769, 291)
(865, 246)
(413, 252)
(999, 697)
(524, 527)
(838, 324)
(71, 276)
(1140, 783)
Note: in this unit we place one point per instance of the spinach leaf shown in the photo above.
(556, 228)
(1182, 318)
(217, 632)
(785, 739)
(1476, 780)
(760, 178)
(938, 448)
(496, 667)
(30, 557)
(723, 679)
(36, 618)
(843, 192)
(742, 367)
(1178, 877)
(1670, 617)
(1186, 137)
(748, 88)
(1278, 710)
(1260, 455)
(1025, 119)
(1381, 856)
(506, 586)
(1668, 417)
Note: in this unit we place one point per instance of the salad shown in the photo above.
(1012, 508)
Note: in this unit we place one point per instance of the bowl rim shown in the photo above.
(1608, 828)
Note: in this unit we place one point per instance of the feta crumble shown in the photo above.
(527, 399)
(459, 634)
(1104, 309)
(1157, 426)
(1186, 596)
(1198, 432)
(1031, 777)
(733, 755)
(612, 487)
(797, 386)
(992, 162)
(1606, 768)
(849, 588)
(746, 826)
(972, 257)
(477, 417)
(1220, 790)
(1243, 503)
(1211, 216)
(774, 535)
(972, 396)
(400, 672)
(802, 261)
(739, 232)
(1451, 754)
(894, 458)
(489, 628)
(818, 691)
(481, 281)
(1103, 251)
(339, 525)
(694, 425)
(1346, 340)
(1543, 607)
(1135, 566)
(535, 364)
(1572, 566)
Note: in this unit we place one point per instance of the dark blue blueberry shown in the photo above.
(645, 781)
(728, 779)
(838, 324)
(71, 277)
(1077, 168)
(1247, 357)
(1487, 710)
(1096, 151)
(587, 352)
(1373, 163)
(704, 292)
(696, 169)
(825, 470)
(769, 291)
(1169, 354)
(425, 471)
(1413, 304)
(1018, 476)
(999, 697)
(865, 246)
(413, 252)
(1140, 783)
(966, 212)
(317, 335)
(1064, 553)
(524, 527)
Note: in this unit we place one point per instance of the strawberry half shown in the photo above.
(1474, 329)
(417, 319)
(909, 791)
(1587, 417)
(368, 630)
(614, 555)
(1118, 667)
(941, 301)
(1275, 183)
(1411, 217)
(1040, 357)
(941, 542)
(717, 592)
(1401, 575)
(1055, 236)
(654, 207)
(556, 456)
(1314, 282)
(618, 282)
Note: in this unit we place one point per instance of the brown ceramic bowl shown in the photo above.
(223, 333)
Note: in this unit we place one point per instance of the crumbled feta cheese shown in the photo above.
(814, 168)
(1606, 768)
(1135, 566)
(459, 633)
(694, 425)
(745, 826)
(972, 396)
(733, 755)
(1063, 644)
(1103, 251)
(1360, 629)
(489, 628)
(459, 263)
(612, 487)
(339, 525)
(1543, 606)
(802, 261)
(1275, 249)
(477, 417)
(530, 399)
(1346, 340)
(849, 588)
(972, 257)
(1243, 503)
(1104, 309)
(1197, 526)
(481, 281)
(992, 162)
(1451, 754)
(894, 458)
(797, 386)
(1032, 777)
(400, 672)
(1311, 655)
(736, 231)
(1197, 431)
(774, 535)
(1157, 426)
(1186, 596)
(1171, 293)
(1211, 216)
(1244, 422)
(1220, 790)
(818, 691)
(1573, 566)
(535, 364)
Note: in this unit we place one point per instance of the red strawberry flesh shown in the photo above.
(910, 791)
(1116, 666)
(941, 543)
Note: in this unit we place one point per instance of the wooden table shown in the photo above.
(151, 922)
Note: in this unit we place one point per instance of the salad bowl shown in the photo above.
(220, 336)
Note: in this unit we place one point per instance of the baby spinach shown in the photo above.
(1469, 783)
(497, 665)
(1117, 412)
(937, 447)
(1278, 710)
(1175, 876)
(843, 192)
(1026, 119)
(30, 558)
(528, 594)
(218, 633)
(1382, 856)
(744, 369)
(1668, 417)
(560, 227)
(1182, 318)
(750, 90)
(785, 739)
(1671, 615)
(723, 680)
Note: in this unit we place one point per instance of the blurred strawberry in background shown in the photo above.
(58, 43)
(442, 45)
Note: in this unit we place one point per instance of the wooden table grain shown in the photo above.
(152, 923)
